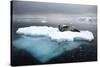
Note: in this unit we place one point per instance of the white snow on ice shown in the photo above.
(55, 34)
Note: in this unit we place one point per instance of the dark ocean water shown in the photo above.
(23, 51)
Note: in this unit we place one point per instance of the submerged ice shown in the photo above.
(55, 34)
(42, 48)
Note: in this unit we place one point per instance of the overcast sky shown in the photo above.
(22, 7)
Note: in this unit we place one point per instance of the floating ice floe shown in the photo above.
(55, 34)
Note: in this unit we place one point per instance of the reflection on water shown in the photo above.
(43, 48)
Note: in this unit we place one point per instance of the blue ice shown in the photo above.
(43, 48)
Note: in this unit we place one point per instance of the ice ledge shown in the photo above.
(55, 34)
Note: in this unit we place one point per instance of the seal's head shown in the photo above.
(63, 28)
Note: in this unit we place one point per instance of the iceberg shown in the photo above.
(44, 48)
(55, 34)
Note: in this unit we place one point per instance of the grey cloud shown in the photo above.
(27, 7)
